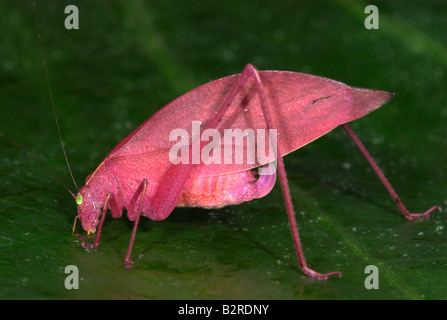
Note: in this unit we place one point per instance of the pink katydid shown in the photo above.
(138, 176)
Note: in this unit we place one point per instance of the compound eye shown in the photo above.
(79, 199)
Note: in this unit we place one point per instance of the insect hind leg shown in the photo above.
(248, 71)
(379, 173)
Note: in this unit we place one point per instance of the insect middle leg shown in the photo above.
(135, 215)
(393, 194)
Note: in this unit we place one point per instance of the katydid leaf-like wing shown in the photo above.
(303, 107)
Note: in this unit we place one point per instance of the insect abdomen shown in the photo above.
(220, 191)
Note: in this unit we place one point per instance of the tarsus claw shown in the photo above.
(415, 216)
(84, 245)
(128, 264)
(320, 276)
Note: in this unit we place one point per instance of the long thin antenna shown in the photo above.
(38, 161)
(51, 96)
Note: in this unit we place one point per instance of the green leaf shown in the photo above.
(130, 58)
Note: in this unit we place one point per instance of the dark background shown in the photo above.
(130, 58)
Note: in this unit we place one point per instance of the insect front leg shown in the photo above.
(111, 204)
(372, 162)
(135, 215)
